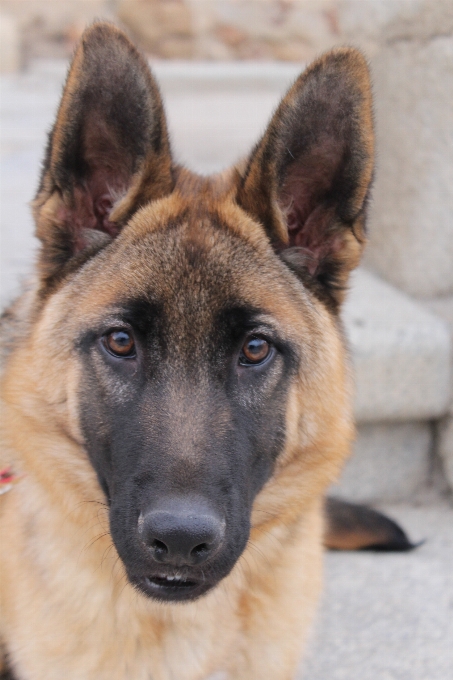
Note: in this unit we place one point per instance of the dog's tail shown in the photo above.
(356, 527)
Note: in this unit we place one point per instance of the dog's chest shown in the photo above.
(89, 620)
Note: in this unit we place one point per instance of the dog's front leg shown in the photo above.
(279, 606)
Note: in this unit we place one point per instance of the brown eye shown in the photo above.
(120, 344)
(254, 351)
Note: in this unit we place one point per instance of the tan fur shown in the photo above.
(265, 604)
(67, 609)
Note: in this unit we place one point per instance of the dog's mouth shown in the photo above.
(175, 582)
(172, 587)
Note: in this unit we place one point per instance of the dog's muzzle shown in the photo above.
(181, 536)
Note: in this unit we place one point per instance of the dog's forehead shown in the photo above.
(195, 265)
(192, 261)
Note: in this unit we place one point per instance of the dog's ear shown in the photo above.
(307, 180)
(108, 152)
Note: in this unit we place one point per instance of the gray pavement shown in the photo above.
(389, 616)
(384, 616)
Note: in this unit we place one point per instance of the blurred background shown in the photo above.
(222, 66)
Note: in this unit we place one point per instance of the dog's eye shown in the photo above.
(120, 344)
(254, 351)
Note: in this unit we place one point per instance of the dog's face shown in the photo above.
(183, 391)
(197, 316)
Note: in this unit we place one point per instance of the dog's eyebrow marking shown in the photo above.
(262, 322)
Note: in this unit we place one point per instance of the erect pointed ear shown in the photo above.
(108, 152)
(307, 180)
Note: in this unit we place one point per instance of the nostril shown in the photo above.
(181, 532)
(200, 551)
(159, 548)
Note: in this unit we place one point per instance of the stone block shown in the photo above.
(390, 463)
(270, 19)
(159, 25)
(54, 15)
(292, 50)
(445, 446)
(411, 221)
(261, 29)
(374, 23)
(401, 353)
(443, 307)
(50, 28)
(410, 43)
(174, 47)
(10, 55)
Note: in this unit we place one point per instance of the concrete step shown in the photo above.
(391, 463)
(400, 350)
(389, 616)
(443, 307)
(401, 353)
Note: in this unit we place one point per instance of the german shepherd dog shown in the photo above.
(176, 396)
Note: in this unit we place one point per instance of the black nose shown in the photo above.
(181, 532)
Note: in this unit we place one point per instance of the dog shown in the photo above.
(176, 391)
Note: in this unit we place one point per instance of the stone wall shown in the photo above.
(50, 28)
(289, 30)
(412, 225)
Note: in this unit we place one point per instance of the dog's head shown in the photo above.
(189, 325)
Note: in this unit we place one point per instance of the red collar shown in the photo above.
(7, 480)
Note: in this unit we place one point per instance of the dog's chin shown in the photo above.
(172, 587)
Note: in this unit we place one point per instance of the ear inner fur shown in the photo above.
(307, 180)
(108, 151)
